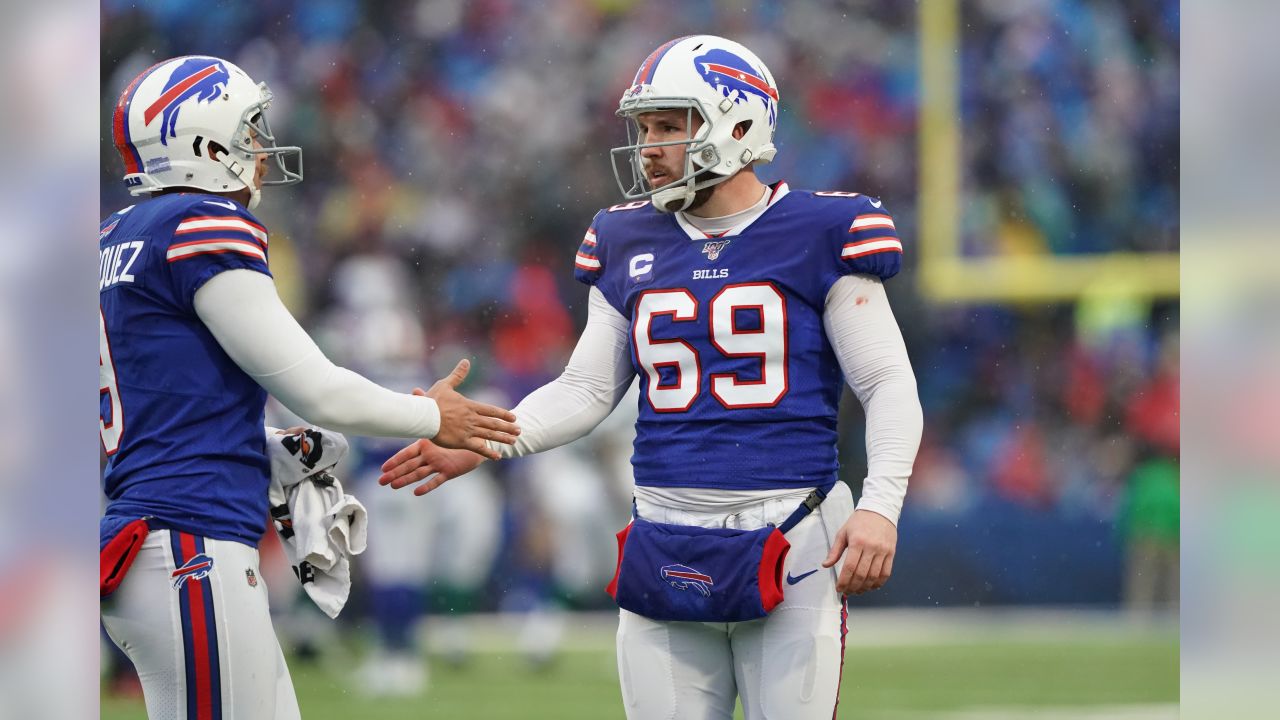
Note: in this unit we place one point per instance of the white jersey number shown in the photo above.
(682, 306)
(767, 343)
(110, 431)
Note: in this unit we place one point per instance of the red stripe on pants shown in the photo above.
(199, 635)
(844, 631)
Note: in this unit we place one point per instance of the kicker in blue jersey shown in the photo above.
(181, 424)
(727, 335)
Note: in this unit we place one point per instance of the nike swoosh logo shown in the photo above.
(219, 203)
(792, 580)
(875, 203)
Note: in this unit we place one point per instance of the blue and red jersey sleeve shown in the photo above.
(869, 242)
(212, 236)
(588, 264)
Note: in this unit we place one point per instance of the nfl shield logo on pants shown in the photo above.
(251, 577)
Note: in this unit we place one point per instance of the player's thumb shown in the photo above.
(419, 392)
(459, 373)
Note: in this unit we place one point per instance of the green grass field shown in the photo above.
(1054, 671)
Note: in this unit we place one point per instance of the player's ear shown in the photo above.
(741, 129)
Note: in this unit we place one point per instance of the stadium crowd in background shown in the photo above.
(454, 155)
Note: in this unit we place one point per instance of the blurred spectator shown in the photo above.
(1149, 521)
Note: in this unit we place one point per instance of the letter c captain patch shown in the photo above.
(641, 266)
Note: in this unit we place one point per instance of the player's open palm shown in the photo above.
(868, 541)
(424, 459)
(466, 424)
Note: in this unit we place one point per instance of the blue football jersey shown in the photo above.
(739, 386)
(181, 424)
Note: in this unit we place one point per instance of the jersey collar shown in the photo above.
(777, 191)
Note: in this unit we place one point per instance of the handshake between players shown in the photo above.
(466, 424)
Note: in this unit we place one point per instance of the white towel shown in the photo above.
(320, 526)
(296, 455)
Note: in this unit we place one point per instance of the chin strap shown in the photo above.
(246, 175)
(684, 193)
(666, 199)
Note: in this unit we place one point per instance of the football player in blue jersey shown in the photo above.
(192, 338)
(744, 309)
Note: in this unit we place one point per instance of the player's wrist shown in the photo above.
(428, 412)
(879, 507)
(504, 450)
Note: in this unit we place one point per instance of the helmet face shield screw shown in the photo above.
(708, 155)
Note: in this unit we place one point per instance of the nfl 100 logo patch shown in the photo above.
(713, 248)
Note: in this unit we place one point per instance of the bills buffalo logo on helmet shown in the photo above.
(734, 78)
(201, 78)
(713, 249)
(194, 569)
(683, 577)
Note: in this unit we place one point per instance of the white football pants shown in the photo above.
(192, 616)
(783, 667)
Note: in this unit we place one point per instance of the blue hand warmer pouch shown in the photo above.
(687, 573)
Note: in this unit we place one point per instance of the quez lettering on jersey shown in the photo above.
(180, 422)
(726, 332)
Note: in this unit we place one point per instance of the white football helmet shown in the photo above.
(723, 82)
(198, 122)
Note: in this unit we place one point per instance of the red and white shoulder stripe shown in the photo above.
(586, 258)
(215, 234)
(215, 246)
(871, 222)
(870, 247)
(222, 225)
(873, 233)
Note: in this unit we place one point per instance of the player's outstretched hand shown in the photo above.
(424, 459)
(871, 540)
(466, 424)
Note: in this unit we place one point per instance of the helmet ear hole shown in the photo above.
(741, 129)
(216, 149)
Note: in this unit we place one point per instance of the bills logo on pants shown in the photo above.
(199, 629)
(196, 568)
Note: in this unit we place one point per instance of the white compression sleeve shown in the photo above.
(243, 311)
(597, 376)
(861, 328)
